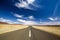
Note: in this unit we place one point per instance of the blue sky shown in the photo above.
(36, 11)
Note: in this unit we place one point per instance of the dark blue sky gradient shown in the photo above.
(7, 6)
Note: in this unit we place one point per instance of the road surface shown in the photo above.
(17, 32)
(14, 32)
(41, 33)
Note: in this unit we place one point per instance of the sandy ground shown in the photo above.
(4, 28)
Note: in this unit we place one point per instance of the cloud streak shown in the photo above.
(49, 23)
(8, 21)
(55, 11)
(30, 22)
(17, 15)
(30, 1)
(54, 19)
(22, 16)
(26, 4)
(31, 17)
(27, 22)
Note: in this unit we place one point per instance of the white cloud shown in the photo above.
(28, 22)
(8, 21)
(21, 20)
(30, 1)
(4, 20)
(25, 4)
(53, 19)
(31, 17)
(25, 22)
(22, 4)
(49, 23)
(19, 16)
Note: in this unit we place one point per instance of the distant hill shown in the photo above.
(3, 23)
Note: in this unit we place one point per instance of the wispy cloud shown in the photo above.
(56, 7)
(17, 15)
(49, 23)
(22, 4)
(4, 20)
(54, 19)
(21, 20)
(8, 21)
(25, 4)
(31, 17)
(30, 22)
(22, 16)
(30, 1)
(27, 22)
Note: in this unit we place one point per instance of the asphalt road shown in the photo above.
(23, 34)
(42, 35)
